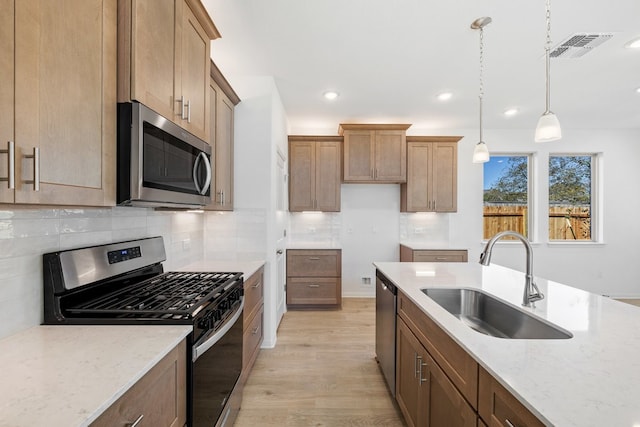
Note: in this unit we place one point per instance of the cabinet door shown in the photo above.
(302, 176)
(415, 193)
(152, 54)
(327, 182)
(359, 157)
(65, 103)
(446, 406)
(445, 177)
(6, 94)
(411, 392)
(193, 78)
(391, 156)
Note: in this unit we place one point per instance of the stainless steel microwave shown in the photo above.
(159, 163)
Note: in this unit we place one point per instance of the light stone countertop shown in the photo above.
(68, 375)
(592, 379)
(313, 245)
(433, 246)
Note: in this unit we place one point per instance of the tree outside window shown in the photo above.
(570, 197)
(506, 195)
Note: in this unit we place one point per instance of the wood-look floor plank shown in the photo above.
(322, 373)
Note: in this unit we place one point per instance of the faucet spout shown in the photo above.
(531, 292)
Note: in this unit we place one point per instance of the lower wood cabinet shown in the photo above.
(438, 384)
(252, 321)
(499, 408)
(424, 393)
(314, 278)
(158, 399)
(432, 255)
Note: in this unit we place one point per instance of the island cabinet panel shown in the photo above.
(374, 153)
(252, 321)
(57, 102)
(314, 173)
(432, 175)
(424, 394)
(499, 408)
(164, 59)
(314, 278)
(158, 399)
(456, 363)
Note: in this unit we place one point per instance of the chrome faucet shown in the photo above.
(531, 291)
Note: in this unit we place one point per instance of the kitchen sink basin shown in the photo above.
(490, 316)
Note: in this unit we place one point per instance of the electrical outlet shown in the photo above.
(186, 244)
(419, 230)
(366, 280)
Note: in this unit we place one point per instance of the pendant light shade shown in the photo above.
(548, 128)
(481, 151)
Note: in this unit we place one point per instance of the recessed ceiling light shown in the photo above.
(510, 112)
(331, 94)
(638, 90)
(445, 96)
(633, 44)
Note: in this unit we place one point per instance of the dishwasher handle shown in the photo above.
(387, 285)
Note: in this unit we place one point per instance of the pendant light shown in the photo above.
(548, 128)
(481, 152)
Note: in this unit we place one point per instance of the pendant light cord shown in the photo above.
(548, 58)
(481, 92)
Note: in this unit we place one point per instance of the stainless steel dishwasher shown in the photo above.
(386, 295)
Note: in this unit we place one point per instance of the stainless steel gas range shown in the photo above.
(125, 283)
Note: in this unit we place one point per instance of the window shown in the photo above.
(570, 197)
(506, 195)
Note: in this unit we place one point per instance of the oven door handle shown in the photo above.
(200, 349)
(207, 181)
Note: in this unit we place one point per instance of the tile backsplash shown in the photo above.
(26, 234)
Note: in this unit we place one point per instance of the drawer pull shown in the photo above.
(36, 168)
(257, 285)
(314, 286)
(509, 423)
(314, 258)
(441, 258)
(136, 422)
(422, 380)
(415, 364)
(255, 330)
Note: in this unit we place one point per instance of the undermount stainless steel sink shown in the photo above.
(490, 316)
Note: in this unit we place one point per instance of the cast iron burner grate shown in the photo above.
(174, 295)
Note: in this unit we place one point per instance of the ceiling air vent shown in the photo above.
(579, 44)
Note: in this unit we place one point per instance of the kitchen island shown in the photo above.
(591, 379)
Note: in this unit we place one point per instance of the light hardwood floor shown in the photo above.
(321, 373)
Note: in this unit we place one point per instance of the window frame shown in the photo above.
(532, 220)
(596, 198)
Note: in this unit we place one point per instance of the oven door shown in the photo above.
(217, 363)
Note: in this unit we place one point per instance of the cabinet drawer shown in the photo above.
(461, 368)
(253, 291)
(498, 407)
(314, 291)
(313, 263)
(251, 339)
(160, 396)
(439, 256)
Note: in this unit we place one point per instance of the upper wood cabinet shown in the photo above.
(164, 59)
(57, 118)
(314, 173)
(223, 101)
(374, 152)
(432, 175)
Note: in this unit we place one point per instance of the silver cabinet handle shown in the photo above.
(11, 165)
(441, 258)
(181, 102)
(255, 330)
(188, 105)
(509, 423)
(415, 364)
(136, 422)
(257, 285)
(422, 380)
(36, 168)
(314, 258)
(314, 286)
(222, 197)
